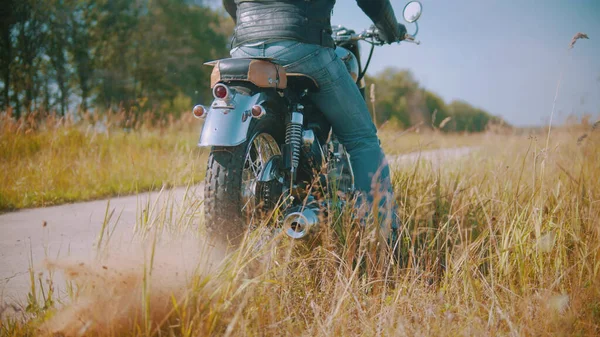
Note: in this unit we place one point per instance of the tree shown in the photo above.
(400, 98)
(8, 19)
(110, 53)
(468, 118)
(81, 23)
(31, 33)
(58, 21)
(436, 106)
(395, 93)
(117, 20)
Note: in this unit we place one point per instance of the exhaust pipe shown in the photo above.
(300, 222)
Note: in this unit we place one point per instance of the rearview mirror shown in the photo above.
(412, 11)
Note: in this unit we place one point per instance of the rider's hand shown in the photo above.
(395, 36)
(402, 30)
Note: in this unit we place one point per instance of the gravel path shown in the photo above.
(27, 237)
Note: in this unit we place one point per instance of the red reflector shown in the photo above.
(199, 111)
(258, 111)
(220, 91)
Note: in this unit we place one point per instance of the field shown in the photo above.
(58, 160)
(504, 242)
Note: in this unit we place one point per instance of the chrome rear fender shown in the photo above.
(227, 122)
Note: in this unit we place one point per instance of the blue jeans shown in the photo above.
(344, 107)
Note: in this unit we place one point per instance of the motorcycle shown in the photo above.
(272, 151)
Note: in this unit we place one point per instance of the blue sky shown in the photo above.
(503, 56)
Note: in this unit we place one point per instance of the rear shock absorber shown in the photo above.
(293, 137)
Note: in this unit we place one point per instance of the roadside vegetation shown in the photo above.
(51, 160)
(80, 61)
(504, 242)
(396, 141)
(510, 246)
(54, 160)
(401, 101)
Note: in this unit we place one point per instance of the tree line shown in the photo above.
(400, 99)
(57, 54)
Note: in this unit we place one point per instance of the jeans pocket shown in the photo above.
(327, 74)
(336, 69)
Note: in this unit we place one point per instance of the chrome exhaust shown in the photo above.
(300, 222)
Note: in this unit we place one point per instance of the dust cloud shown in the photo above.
(132, 288)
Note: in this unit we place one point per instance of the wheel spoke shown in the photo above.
(260, 151)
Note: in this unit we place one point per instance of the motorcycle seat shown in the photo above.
(261, 72)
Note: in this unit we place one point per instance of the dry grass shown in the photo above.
(418, 139)
(506, 243)
(395, 142)
(59, 160)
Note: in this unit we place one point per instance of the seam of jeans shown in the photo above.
(303, 59)
(285, 50)
(341, 71)
(324, 77)
(243, 52)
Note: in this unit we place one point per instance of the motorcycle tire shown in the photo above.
(224, 218)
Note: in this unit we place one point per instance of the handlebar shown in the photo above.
(411, 39)
(366, 34)
(371, 36)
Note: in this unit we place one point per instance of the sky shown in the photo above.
(503, 56)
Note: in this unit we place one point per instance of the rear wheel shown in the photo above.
(231, 204)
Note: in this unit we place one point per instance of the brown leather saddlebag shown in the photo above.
(263, 74)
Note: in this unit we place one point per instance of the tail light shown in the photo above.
(200, 111)
(220, 91)
(258, 111)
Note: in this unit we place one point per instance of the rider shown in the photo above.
(297, 33)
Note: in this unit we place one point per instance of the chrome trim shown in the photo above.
(260, 155)
(297, 118)
(230, 93)
(353, 186)
(415, 16)
(203, 115)
(299, 224)
(308, 138)
(271, 169)
(221, 104)
(263, 112)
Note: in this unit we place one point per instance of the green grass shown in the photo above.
(60, 161)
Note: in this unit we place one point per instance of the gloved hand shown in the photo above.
(392, 36)
(403, 31)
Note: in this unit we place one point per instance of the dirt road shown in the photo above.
(27, 237)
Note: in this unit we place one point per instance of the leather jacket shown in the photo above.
(308, 21)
